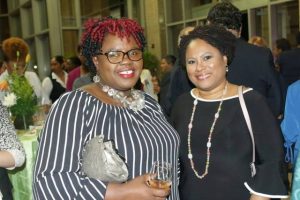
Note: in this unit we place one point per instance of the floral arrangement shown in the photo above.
(17, 94)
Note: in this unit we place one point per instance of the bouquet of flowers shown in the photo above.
(17, 94)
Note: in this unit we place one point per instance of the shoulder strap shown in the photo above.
(248, 122)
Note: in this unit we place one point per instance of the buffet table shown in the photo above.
(21, 178)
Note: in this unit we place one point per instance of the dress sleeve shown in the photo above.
(35, 83)
(290, 125)
(57, 173)
(47, 87)
(269, 178)
(8, 138)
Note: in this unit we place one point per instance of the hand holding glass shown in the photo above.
(160, 175)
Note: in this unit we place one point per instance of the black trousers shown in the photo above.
(5, 185)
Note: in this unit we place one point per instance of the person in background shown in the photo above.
(166, 65)
(148, 81)
(71, 63)
(258, 41)
(74, 64)
(85, 76)
(111, 107)
(179, 82)
(15, 50)
(288, 62)
(84, 79)
(216, 148)
(12, 153)
(280, 46)
(290, 124)
(55, 85)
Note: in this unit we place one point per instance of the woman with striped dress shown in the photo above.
(131, 118)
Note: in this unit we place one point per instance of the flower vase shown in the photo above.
(22, 122)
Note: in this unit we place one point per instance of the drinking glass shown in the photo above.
(160, 175)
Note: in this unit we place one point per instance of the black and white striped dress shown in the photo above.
(141, 138)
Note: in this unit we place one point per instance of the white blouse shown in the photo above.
(48, 86)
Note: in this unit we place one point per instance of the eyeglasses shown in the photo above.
(115, 57)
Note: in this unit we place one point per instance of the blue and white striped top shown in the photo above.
(141, 138)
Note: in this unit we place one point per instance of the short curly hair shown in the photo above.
(14, 49)
(96, 30)
(225, 14)
(214, 35)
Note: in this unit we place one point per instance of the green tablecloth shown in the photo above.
(21, 178)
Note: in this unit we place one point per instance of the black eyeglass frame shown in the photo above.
(124, 53)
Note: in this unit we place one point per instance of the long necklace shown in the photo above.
(208, 144)
(134, 101)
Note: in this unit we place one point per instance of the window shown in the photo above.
(260, 23)
(68, 12)
(96, 8)
(285, 21)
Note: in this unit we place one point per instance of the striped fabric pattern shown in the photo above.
(140, 137)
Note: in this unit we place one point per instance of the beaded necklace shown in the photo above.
(134, 101)
(208, 144)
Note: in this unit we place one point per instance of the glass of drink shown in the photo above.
(160, 175)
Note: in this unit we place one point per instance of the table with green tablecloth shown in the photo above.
(21, 178)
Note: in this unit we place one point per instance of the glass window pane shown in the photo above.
(27, 19)
(136, 11)
(286, 21)
(196, 8)
(16, 25)
(13, 4)
(43, 52)
(68, 12)
(71, 40)
(41, 16)
(4, 30)
(3, 6)
(97, 8)
(173, 32)
(174, 10)
(261, 23)
(32, 53)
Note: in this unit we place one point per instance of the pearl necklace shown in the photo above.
(134, 101)
(208, 144)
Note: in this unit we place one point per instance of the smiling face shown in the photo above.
(123, 75)
(206, 66)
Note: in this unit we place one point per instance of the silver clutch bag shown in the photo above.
(102, 161)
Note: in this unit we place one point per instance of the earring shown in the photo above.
(96, 61)
(227, 68)
(96, 78)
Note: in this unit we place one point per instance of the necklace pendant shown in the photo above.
(111, 92)
(134, 101)
(208, 144)
(105, 88)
